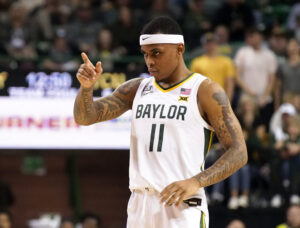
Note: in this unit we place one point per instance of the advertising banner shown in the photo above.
(36, 112)
(47, 123)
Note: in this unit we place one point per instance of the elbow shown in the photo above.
(81, 122)
(240, 155)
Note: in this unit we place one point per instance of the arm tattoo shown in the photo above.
(83, 107)
(230, 135)
(110, 107)
(87, 111)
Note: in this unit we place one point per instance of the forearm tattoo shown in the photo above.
(83, 107)
(87, 111)
(229, 134)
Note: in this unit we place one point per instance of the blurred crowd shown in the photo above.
(251, 48)
(264, 89)
(50, 34)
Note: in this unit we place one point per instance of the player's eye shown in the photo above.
(156, 53)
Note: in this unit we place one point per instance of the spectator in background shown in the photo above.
(45, 18)
(126, 25)
(259, 151)
(253, 132)
(81, 31)
(293, 21)
(256, 67)
(292, 217)
(237, 16)
(20, 36)
(107, 50)
(222, 35)
(4, 21)
(280, 120)
(5, 219)
(60, 56)
(195, 22)
(288, 74)
(158, 8)
(286, 166)
(236, 223)
(214, 66)
(278, 43)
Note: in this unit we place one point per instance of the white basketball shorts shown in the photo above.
(145, 211)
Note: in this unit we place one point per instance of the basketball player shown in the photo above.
(173, 116)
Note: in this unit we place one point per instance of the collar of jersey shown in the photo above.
(173, 86)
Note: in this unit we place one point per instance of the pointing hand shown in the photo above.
(87, 73)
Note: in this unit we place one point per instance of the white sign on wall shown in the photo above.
(47, 123)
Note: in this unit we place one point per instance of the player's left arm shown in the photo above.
(215, 106)
(217, 110)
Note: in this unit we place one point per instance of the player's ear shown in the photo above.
(180, 49)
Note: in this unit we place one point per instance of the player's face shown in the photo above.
(162, 59)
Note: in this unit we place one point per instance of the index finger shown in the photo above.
(86, 59)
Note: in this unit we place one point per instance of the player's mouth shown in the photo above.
(152, 72)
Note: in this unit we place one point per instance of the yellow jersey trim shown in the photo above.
(210, 141)
(174, 86)
(208, 148)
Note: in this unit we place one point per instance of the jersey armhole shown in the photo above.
(195, 106)
(139, 90)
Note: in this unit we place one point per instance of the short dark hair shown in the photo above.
(162, 24)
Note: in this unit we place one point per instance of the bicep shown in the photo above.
(218, 110)
(110, 107)
(120, 101)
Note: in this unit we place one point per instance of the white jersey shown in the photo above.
(169, 138)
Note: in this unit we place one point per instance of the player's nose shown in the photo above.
(149, 62)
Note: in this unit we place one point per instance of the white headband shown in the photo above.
(161, 39)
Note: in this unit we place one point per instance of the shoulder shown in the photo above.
(209, 90)
(208, 86)
(127, 90)
(129, 87)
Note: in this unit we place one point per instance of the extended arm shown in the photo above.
(216, 107)
(87, 111)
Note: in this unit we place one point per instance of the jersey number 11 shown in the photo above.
(160, 137)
